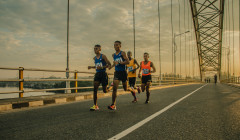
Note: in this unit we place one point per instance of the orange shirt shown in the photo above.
(146, 69)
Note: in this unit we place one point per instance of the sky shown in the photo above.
(33, 33)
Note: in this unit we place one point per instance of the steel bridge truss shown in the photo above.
(207, 18)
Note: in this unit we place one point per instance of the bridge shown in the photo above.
(198, 111)
(182, 106)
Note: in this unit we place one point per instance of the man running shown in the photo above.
(145, 68)
(101, 63)
(215, 79)
(120, 74)
(132, 74)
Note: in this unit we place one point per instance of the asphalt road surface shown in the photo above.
(211, 112)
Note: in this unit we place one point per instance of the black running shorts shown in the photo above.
(147, 78)
(101, 77)
(132, 81)
(120, 75)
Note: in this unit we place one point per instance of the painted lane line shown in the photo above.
(141, 123)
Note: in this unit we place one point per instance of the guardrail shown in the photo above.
(166, 80)
(233, 80)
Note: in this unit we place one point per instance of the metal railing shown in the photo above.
(156, 81)
(232, 80)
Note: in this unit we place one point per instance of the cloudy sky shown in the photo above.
(33, 32)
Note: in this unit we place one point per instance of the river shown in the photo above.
(16, 95)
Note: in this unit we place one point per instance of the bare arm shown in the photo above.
(107, 61)
(126, 59)
(154, 69)
(139, 73)
(92, 67)
(111, 66)
(135, 61)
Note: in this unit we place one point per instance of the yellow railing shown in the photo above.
(166, 80)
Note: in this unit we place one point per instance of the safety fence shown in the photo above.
(156, 80)
(232, 80)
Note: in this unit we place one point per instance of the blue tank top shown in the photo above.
(100, 62)
(119, 58)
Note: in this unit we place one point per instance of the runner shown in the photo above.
(215, 79)
(145, 68)
(120, 74)
(101, 77)
(132, 75)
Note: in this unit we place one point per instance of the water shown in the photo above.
(16, 95)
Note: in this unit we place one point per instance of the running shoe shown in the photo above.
(147, 101)
(109, 88)
(135, 100)
(94, 107)
(112, 107)
(139, 90)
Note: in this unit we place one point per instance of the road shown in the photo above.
(211, 112)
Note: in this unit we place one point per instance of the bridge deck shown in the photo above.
(212, 112)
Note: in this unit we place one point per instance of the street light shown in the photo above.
(228, 53)
(175, 50)
(67, 69)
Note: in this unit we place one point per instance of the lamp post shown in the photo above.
(67, 69)
(228, 54)
(175, 50)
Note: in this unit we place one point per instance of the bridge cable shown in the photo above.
(188, 43)
(225, 37)
(134, 30)
(229, 40)
(180, 46)
(159, 42)
(172, 37)
(193, 54)
(185, 40)
(227, 43)
(233, 38)
(239, 35)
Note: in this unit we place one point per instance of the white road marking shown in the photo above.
(141, 123)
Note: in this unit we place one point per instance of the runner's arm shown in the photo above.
(154, 69)
(92, 67)
(107, 61)
(111, 66)
(139, 73)
(126, 59)
(135, 61)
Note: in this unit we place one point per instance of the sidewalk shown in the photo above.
(14, 103)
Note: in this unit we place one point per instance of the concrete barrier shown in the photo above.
(5, 107)
(60, 100)
(90, 96)
(35, 103)
(79, 98)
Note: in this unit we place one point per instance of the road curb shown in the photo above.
(6, 107)
(35, 103)
(23, 103)
(60, 100)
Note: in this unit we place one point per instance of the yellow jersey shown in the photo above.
(131, 66)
